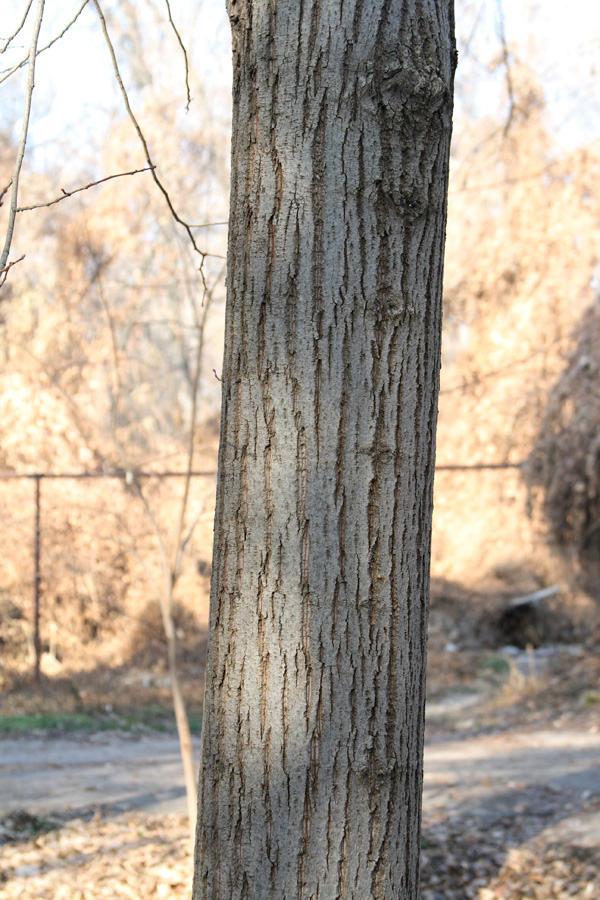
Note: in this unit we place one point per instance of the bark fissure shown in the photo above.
(312, 739)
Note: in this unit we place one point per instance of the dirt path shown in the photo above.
(472, 775)
(107, 771)
(502, 812)
(551, 778)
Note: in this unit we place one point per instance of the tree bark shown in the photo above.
(310, 782)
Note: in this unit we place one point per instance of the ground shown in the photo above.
(92, 803)
(511, 796)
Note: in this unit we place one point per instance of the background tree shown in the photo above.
(521, 272)
(563, 470)
(313, 725)
(107, 366)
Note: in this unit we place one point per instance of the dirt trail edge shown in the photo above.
(72, 775)
(487, 776)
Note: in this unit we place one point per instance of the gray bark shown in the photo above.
(311, 770)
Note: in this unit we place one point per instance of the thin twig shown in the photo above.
(21, 151)
(167, 596)
(4, 192)
(79, 417)
(505, 182)
(208, 224)
(506, 63)
(9, 72)
(180, 545)
(121, 474)
(66, 194)
(589, 533)
(15, 33)
(175, 323)
(23, 62)
(508, 367)
(131, 548)
(466, 48)
(144, 144)
(476, 467)
(4, 271)
(185, 56)
(97, 280)
(191, 530)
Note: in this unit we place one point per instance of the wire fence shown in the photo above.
(129, 477)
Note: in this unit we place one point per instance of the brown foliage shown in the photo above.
(521, 258)
(563, 470)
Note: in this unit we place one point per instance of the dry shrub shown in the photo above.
(520, 264)
(563, 470)
(148, 645)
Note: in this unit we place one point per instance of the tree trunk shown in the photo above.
(310, 783)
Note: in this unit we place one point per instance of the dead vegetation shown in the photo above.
(98, 337)
(518, 854)
(563, 470)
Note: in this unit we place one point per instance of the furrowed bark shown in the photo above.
(311, 771)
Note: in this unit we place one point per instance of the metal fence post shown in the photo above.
(36, 582)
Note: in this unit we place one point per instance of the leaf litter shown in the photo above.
(135, 856)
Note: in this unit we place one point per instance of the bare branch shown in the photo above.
(4, 192)
(507, 67)
(507, 368)
(9, 72)
(166, 601)
(10, 39)
(190, 533)
(116, 369)
(21, 151)
(47, 47)
(466, 49)
(5, 270)
(505, 182)
(144, 144)
(185, 56)
(66, 194)
(180, 544)
(131, 548)
(66, 28)
(81, 421)
(208, 224)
